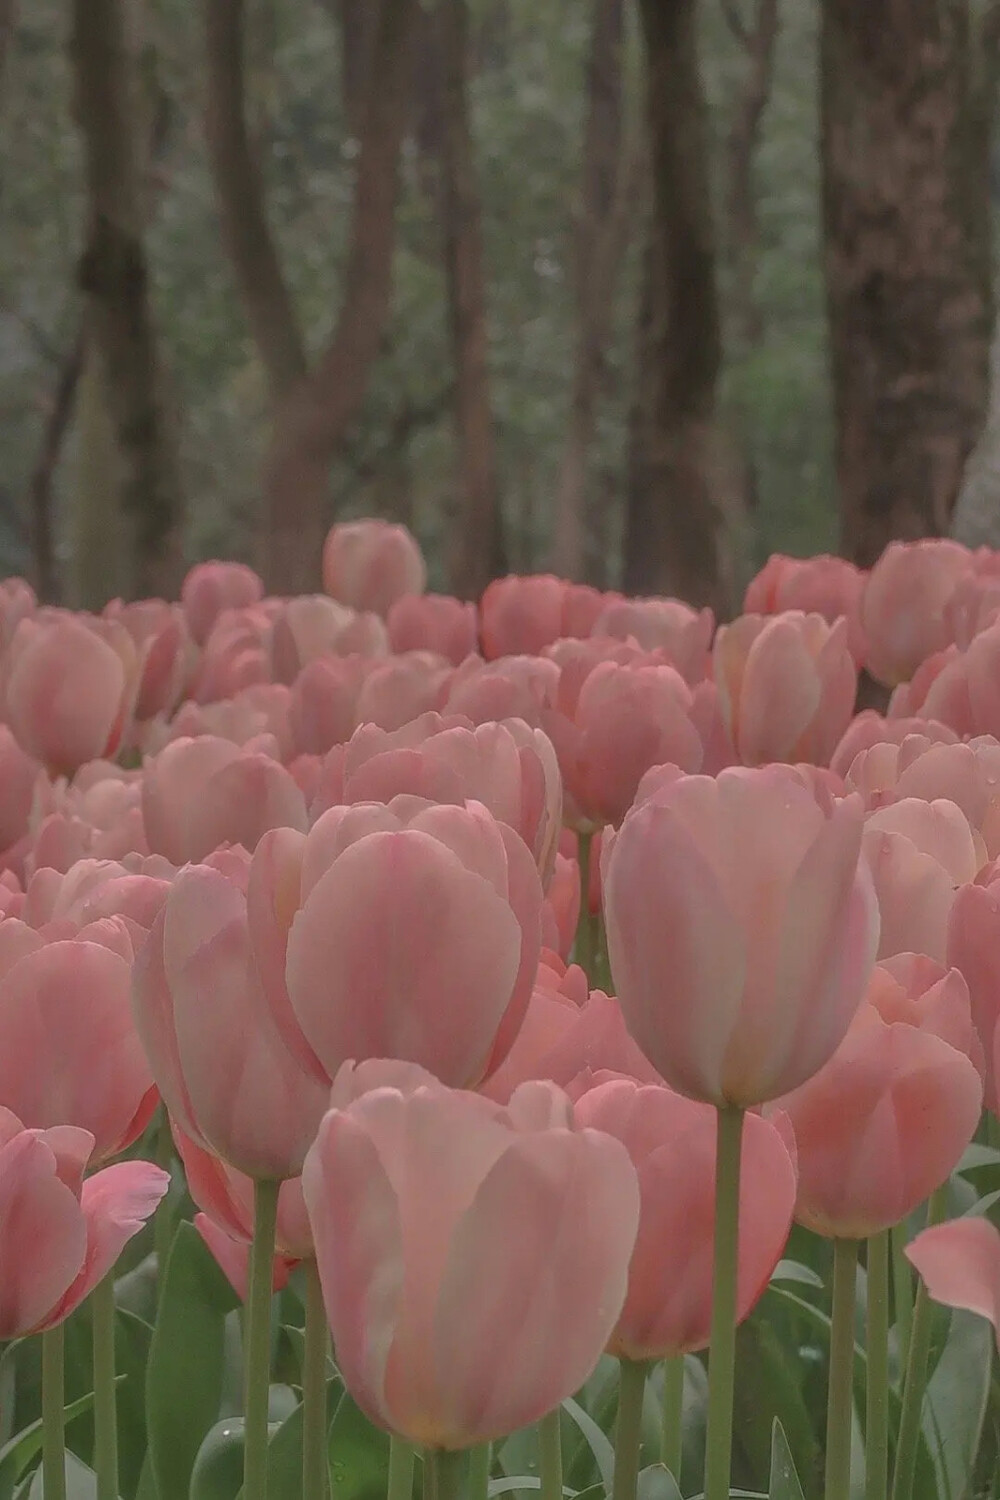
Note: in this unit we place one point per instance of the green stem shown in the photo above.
(672, 1434)
(877, 1383)
(102, 1309)
(480, 1459)
(258, 1344)
(992, 1130)
(163, 1222)
(722, 1347)
(53, 1432)
(840, 1399)
(908, 1442)
(902, 1288)
(315, 1465)
(401, 1458)
(445, 1474)
(550, 1467)
(628, 1427)
(585, 948)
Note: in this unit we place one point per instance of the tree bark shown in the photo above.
(758, 41)
(477, 550)
(674, 535)
(907, 261)
(8, 20)
(319, 409)
(245, 230)
(113, 274)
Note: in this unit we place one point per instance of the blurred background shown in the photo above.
(638, 291)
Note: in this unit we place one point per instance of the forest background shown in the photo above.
(639, 291)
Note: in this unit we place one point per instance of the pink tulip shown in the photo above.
(919, 854)
(71, 1055)
(870, 728)
(18, 778)
(683, 633)
(514, 687)
(463, 1299)
(371, 564)
(973, 946)
(822, 585)
(236, 655)
(742, 928)
(217, 1050)
(323, 707)
(198, 794)
(69, 688)
(212, 587)
(967, 775)
(17, 602)
(964, 692)
(960, 1266)
(406, 930)
(561, 911)
(61, 1235)
(313, 626)
(396, 691)
(903, 609)
(521, 615)
(672, 1144)
(973, 606)
(434, 622)
(165, 651)
(787, 685)
(887, 1119)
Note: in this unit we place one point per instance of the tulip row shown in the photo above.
(513, 980)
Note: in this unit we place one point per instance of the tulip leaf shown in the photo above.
(657, 1483)
(359, 1454)
(185, 1369)
(596, 1440)
(16, 1455)
(956, 1401)
(784, 1482)
(794, 1270)
(81, 1481)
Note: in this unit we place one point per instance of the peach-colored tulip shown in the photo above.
(973, 606)
(683, 633)
(514, 687)
(314, 625)
(887, 1119)
(165, 651)
(407, 930)
(672, 1143)
(508, 767)
(822, 585)
(870, 728)
(742, 928)
(69, 688)
(395, 691)
(17, 602)
(212, 587)
(963, 693)
(217, 1050)
(60, 1235)
(434, 622)
(519, 615)
(919, 854)
(903, 608)
(236, 655)
(370, 564)
(18, 778)
(561, 912)
(198, 794)
(787, 685)
(463, 1298)
(71, 1055)
(920, 767)
(973, 946)
(960, 1265)
(323, 708)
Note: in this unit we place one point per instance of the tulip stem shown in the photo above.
(315, 1464)
(628, 1427)
(672, 1434)
(722, 1345)
(163, 1222)
(550, 1466)
(877, 1385)
(480, 1459)
(53, 1430)
(258, 1344)
(400, 1486)
(902, 1288)
(908, 1441)
(840, 1397)
(102, 1310)
(585, 949)
(445, 1474)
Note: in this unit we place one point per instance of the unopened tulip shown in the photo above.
(434, 622)
(312, 626)
(960, 1266)
(672, 1144)
(60, 1234)
(823, 585)
(903, 608)
(212, 587)
(370, 564)
(973, 946)
(236, 655)
(919, 853)
(742, 928)
(886, 1120)
(683, 633)
(870, 728)
(514, 687)
(787, 685)
(464, 1297)
(520, 615)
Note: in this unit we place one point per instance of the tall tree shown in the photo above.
(757, 38)
(675, 521)
(114, 277)
(907, 260)
(477, 547)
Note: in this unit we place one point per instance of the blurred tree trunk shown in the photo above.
(8, 20)
(40, 519)
(758, 42)
(908, 264)
(113, 275)
(674, 534)
(358, 23)
(238, 189)
(477, 549)
(608, 200)
(318, 410)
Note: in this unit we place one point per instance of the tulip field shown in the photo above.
(538, 1047)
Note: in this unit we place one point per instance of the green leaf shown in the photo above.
(217, 1473)
(185, 1369)
(794, 1270)
(657, 1483)
(359, 1454)
(16, 1455)
(81, 1481)
(784, 1482)
(596, 1440)
(956, 1401)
